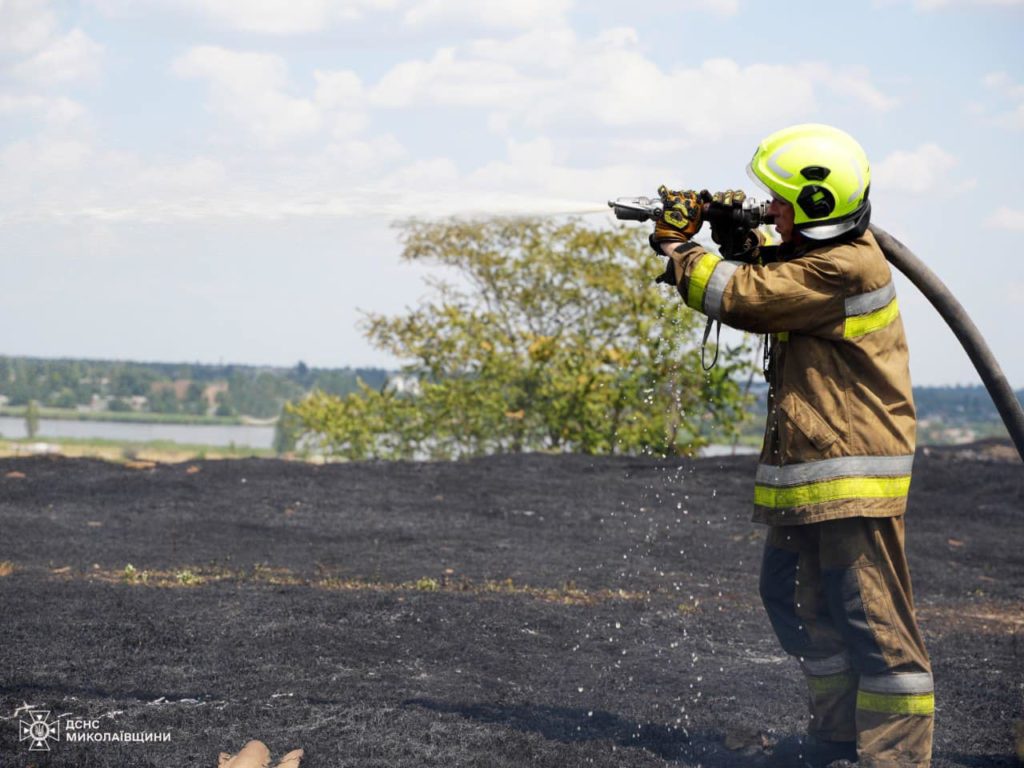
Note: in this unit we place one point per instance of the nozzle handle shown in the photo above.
(636, 208)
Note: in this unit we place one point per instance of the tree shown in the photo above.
(163, 400)
(32, 419)
(287, 431)
(195, 399)
(554, 338)
(224, 404)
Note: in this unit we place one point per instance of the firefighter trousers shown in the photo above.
(839, 599)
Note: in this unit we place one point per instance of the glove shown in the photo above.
(669, 275)
(682, 217)
(735, 241)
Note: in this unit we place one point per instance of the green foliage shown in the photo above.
(119, 405)
(555, 337)
(287, 431)
(32, 419)
(253, 391)
(958, 405)
(164, 400)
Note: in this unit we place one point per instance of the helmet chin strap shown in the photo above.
(850, 228)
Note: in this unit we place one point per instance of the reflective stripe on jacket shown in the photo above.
(839, 440)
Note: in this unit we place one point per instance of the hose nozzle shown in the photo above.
(636, 208)
(750, 213)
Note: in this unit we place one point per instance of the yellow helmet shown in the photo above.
(822, 172)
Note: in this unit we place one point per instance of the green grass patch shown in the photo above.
(70, 414)
(127, 449)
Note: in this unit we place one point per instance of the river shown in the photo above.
(223, 435)
(129, 431)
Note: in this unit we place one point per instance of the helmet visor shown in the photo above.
(757, 180)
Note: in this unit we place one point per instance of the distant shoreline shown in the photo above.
(135, 417)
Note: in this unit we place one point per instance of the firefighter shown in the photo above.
(835, 466)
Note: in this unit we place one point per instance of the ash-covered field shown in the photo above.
(510, 611)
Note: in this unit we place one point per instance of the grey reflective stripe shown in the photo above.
(860, 181)
(774, 164)
(869, 302)
(720, 277)
(826, 469)
(911, 682)
(825, 231)
(833, 665)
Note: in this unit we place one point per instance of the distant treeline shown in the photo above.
(945, 414)
(957, 405)
(260, 391)
(189, 388)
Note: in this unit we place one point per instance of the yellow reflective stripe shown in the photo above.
(699, 281)
(860, 325)
(897, 704)
(831, 490)
(767, 237)
(830, 683)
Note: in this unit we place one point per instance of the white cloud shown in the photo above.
(720, 7)
(283, 17)
(55, 111)
(550, 76)
(339, 90)
(928, 6)
(73, 56)
(264, 17)
(932, 5)
(253, 91)
(857, 85)
(522, 14)
(1007, 90)
(448, 80)
(27, 26)
(250, 89)
(38, 60)
(341, 97)
(925, 169)
(34, 51)
(1006, 218)
(1003, 84)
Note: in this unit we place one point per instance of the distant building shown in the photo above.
(99, 402)
(211, 392)
(178, 386)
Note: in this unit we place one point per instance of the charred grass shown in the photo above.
(513, 611)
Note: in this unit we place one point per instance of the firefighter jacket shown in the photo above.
(839, 439)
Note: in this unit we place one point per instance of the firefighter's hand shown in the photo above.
(723, 230)
(730, 198)
(682, 217)
(735, 241)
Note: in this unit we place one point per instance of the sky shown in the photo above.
(217, 180)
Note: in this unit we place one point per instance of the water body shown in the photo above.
(729, 450)
(197, 434)
(190, 434)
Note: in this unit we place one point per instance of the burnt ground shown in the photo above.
(510, 611)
